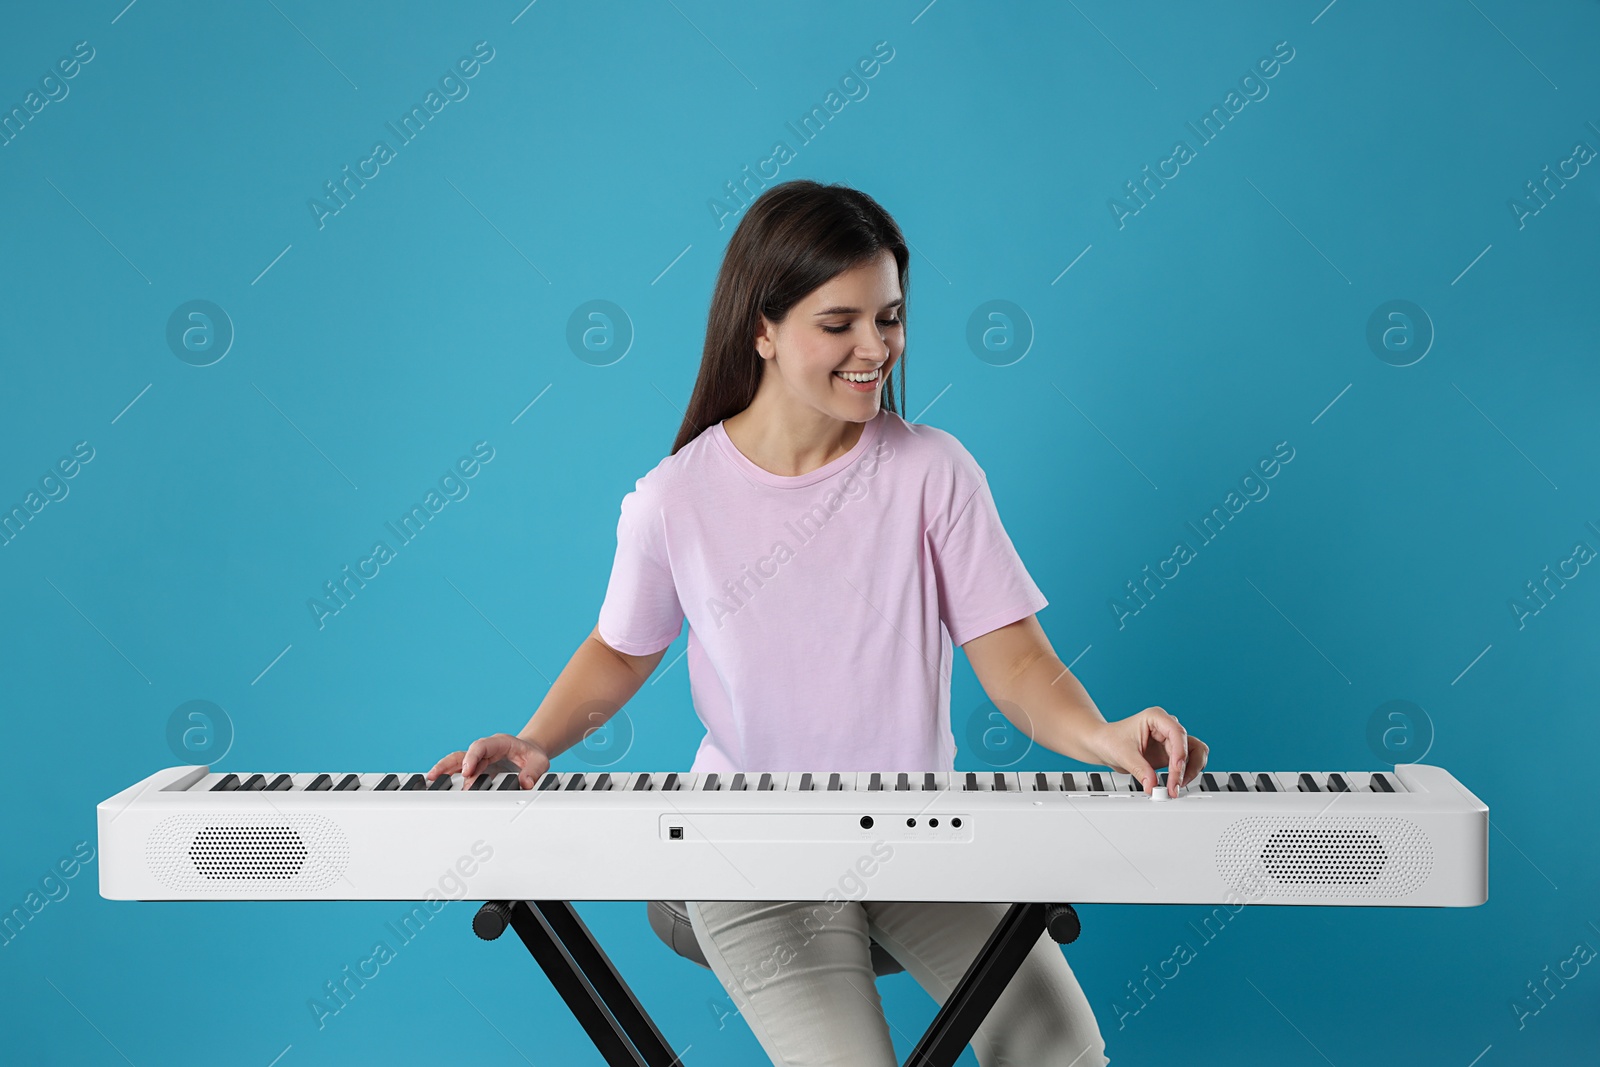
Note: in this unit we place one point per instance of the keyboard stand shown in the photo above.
(625, 1035)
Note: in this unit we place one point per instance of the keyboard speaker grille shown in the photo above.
(1353, 857)
(247, 852)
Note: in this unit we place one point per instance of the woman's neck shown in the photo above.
(790, 443)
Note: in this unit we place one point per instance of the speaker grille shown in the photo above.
(247, 852)
(1351, 857)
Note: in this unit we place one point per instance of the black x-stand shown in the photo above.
(623, 1032)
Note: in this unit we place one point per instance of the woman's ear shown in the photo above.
(765, 344)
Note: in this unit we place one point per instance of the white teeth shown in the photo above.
(858, 376)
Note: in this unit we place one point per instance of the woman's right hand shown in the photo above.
(530, 760)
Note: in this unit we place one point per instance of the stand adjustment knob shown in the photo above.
(1062, 922)
(492, 919)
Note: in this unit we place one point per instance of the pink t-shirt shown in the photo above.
(822, 608)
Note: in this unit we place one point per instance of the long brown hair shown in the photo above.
(793, 239)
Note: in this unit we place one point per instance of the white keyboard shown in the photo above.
(1412, 837)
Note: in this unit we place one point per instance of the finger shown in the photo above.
(477, 754)
(1175, 739)
(1197, 758)
(1142, 771)
(450, 763)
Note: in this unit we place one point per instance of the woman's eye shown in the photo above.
(842, 329)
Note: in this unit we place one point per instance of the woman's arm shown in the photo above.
(1034, 690)
(596, 681)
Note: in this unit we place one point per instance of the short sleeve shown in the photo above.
(641, 614)
(983, 584)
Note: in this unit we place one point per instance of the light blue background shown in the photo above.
(371, 353)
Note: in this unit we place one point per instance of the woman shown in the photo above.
(827, 556)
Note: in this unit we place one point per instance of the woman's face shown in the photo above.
(849, 325)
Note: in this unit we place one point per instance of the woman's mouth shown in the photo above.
(860, 381)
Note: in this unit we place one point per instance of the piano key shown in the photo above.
(390, 781)
(320, 783)
(806, 783)
(1069, 784)
(711, 781)
(1041, 781)
(1236, 783)
(576, 781)
(511, 781)
(929, 782)
(226, 784)
(602, 784)
(1161, 777)
(1208, 783)
(971, 783)
(551, 780)
(442, 783)
(999, 781)
(1337, 784)
(765, 782)
(902, 781)
(347, 783)
(833, 781)
(877, 780)
(1097, 782)
(416, 781)
(1308, 784)
(670, 783)
(1380, 784)
(481, 781)
(254, 784)
(738, 781)
(281, 783)
(642, 782)
(1265, 784)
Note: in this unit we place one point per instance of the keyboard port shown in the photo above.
(675, 832)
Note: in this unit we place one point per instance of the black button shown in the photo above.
(226, 784)
(347, 783)
(389, 781)
(319, 783)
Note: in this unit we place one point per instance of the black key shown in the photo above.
(1096, 782)
(511, 781)
(641, 782)
(1000, 781)
(576, 781)
(1380, 784)
(280, 784)
(347, 783)
(551, 780)
(482, 781)
(766, 781)
(1337, 784)
(416, 781)
(972, 781)
(903, 781)
(1236, 783)
(1068, 783)
(1208, 784)
(389, 781)
(1040, 781)
(226, 784)
(1265, 784)
(738, 781)
(254, 784)
(442, 783)
(603, 783)
(711, 781)
(833, 781)
(806, 783)
(1134, 785)
(1308, 784)
(319, 783)
(670, 783)
(929, 782)
(876, 781)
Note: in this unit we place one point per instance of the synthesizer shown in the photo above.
(1414, 836)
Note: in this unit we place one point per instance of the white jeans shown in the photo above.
(800, 973)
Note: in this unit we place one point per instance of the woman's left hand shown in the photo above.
(1141, 743)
